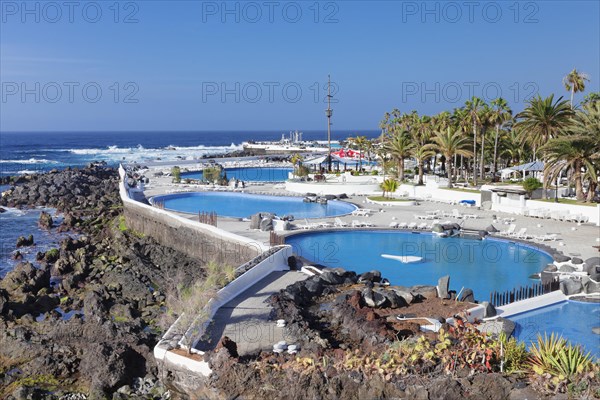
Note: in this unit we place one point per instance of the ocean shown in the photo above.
(23, 153)
(36, 152)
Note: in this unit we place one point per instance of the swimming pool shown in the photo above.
(573, 320)
(248, 174)
(482, 265)
(243, 205)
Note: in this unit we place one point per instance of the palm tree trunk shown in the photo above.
(578, 182)
(474, 154)
(591, 191)
(420, 172)
(482, 166)
(495, 153)
(572, 94)
(449, 170)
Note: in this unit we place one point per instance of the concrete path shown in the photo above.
(245, 319)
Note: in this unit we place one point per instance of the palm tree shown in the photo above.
(420, 134)
(449, 143)
(575, 82)
(485, 118)
(389, 186)
(542, 120)
(360, 142)
(473, 108)
(399, 146)
(296, 161)
(577, 151)
(500, 115)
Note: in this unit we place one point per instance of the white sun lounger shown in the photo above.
(547, 237)
(422, 225)
(508, 232)
(339, 223)
(412, 225)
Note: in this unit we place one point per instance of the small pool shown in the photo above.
(482, 265)
(243, 205)
(573, 320)
(248, 174)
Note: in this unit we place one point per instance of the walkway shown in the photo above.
(246, 318)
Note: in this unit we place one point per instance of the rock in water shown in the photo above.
(2, 210)
(467, 295)
(23, 241)
(45, 221)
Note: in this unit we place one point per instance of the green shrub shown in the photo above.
(212, 174)
(176, 174)
(531, 184)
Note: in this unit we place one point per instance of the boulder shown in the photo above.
(566, 268)
(591, 269)
(489, 309)
(593, 261)
(561, 258)
(45, 221)
(496, 326)
(547, 277)
(551, 268)
(331, 278)
(229, 345)
(427, 291)
(373, 299)
(570, 286)
(442, 287)
(491, 229)
(467, 296)
(2, 210)
(407, 296)
(393, 299)
(3, 300)
(596, 330)
(314, 286)
(255, 221)
(266, 224)
(576, 261)
(371, 276)
(595, 276)
(23, 241)
(591, 286)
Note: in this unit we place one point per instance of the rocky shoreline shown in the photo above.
(84, 319)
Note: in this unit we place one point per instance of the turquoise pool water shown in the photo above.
(482, 265)
(573, 320)
(249, 174)
(243, 205)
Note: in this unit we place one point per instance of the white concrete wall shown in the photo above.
(521, 206)
(433, 192)
(332, 188)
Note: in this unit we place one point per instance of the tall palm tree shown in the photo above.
(486, 122)
(360, 142)
(577, 151)
(575, 82)
(449, 143)
(399, 146)
(542, 120)
(420, 134)
(462, 122)
(500, 115)
(473, 108)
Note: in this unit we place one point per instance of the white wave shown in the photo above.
(140, 153)
(27, 172)
(29, 161)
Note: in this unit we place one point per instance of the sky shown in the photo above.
(264, 65)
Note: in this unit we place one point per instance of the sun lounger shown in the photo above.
(548, 237)
(422, 225)
(402, 225)
(309, 225)
(412, 225)
(393, 224)
(508, 232)
(456, 214)
(339, 223)
(522, 234)
(361, 212)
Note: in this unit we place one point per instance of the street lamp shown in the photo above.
(329, 113)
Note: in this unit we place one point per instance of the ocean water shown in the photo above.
(22, 153)
(35, 152)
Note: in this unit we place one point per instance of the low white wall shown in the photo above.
(521, 206)
(273, 263)
(433, 192)
(332, 188)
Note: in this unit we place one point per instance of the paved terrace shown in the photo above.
(246, 318)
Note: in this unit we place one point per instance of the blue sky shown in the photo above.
(192, 65)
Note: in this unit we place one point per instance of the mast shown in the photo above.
(329, 112)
